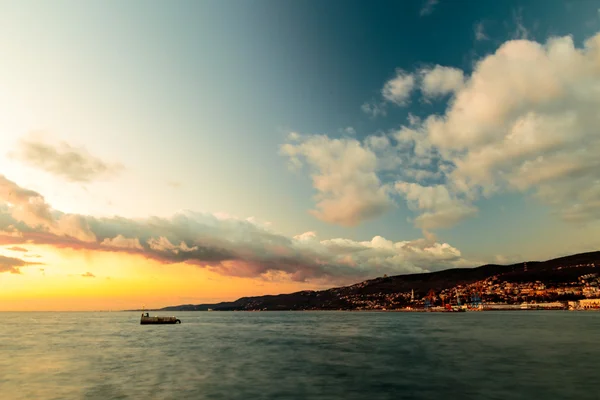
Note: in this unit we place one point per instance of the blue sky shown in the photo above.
(189, 105)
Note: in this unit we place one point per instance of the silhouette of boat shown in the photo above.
(148, 320)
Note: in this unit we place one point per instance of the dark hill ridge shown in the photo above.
(556, 271)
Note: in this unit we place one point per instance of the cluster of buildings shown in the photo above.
(496, 290)
(584, 304)
(568, 289)
(377, 301)
(494, 293)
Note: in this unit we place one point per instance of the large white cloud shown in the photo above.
(526, 119)
(344, 174)
(222, 243)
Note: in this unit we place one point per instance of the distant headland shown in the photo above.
(567, 282)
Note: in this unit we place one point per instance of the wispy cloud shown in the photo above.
(350, 131)
(63, 160)
(480, 32)
(374, 109)
(17, 248)
(30, 255)
(520, 31)
(13, 265)
(428, 7)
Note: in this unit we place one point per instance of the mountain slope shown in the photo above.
(395, 290)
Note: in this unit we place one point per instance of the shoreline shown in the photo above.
(373, 311)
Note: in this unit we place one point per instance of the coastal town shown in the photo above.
(493, 293)
(566, 283)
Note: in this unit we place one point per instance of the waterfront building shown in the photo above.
(587, 304)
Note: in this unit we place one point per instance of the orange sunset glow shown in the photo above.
(76, 280)
(172, 159)
(299, 199)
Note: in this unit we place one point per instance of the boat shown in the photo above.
(156, 320)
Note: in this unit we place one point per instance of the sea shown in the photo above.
(301, 355)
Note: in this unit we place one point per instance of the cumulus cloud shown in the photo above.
(28, 205)
(343, 173)
(428, 7)
(9, 230)
(434, 81)
(236, 247)
(438, 207)
(440, 81)
(30, 208)
(398, 89)
(525, 119)
(121, 242)
(63, 160)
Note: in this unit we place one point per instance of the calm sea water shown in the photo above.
(301, 355)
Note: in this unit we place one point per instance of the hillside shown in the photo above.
(395, 291)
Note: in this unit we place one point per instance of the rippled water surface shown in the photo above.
(301, 355)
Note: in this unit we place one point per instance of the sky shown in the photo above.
(160, 153)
